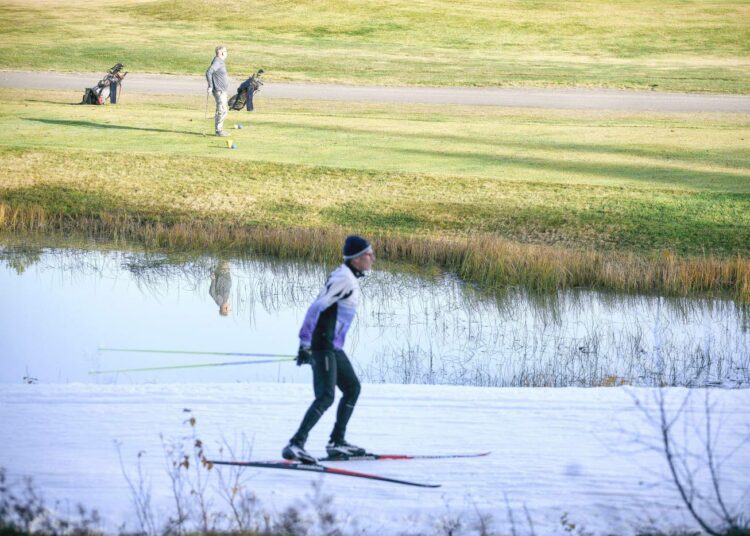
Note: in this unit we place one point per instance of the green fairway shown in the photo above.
(634, 183)
(676, 45)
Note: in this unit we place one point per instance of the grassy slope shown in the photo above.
(638, 183)
(683, 45)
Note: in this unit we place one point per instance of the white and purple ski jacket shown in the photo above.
(332, 313)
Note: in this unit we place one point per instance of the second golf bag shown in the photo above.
(106, 88)
(244, 96)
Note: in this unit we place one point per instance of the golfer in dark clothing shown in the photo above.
(321, 344)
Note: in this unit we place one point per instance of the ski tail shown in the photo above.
(346, 472)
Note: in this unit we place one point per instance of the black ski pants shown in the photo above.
(331, 368)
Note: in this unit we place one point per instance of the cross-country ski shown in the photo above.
(317, 468)
(369, 456)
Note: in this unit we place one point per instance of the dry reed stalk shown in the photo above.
(488, 261)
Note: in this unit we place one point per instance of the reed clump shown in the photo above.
(488, 261)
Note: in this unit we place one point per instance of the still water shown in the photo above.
(60, 307)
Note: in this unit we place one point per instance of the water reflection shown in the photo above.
(221, 286)
(20, 258)
(431, 329)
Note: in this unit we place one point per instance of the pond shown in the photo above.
(63, 311)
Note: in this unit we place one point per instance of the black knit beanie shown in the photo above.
(354, 246)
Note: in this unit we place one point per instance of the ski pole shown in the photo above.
(190, 352)
(199, 365)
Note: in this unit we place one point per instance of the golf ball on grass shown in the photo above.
(234, 146)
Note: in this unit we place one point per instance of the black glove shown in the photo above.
(304, 356)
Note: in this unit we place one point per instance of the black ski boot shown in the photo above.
(297, 453)
(343, 450)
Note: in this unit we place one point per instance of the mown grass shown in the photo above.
(546, 199)
(681, 45)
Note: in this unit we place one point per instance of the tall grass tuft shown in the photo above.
(486, 260)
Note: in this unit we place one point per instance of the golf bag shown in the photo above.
(106, 88)
(244, 96)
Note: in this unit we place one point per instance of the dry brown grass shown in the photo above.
(488, 261)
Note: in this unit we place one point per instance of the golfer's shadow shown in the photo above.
(55, 102)
(90, 124)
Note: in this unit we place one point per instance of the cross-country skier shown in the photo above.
(321, 344)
